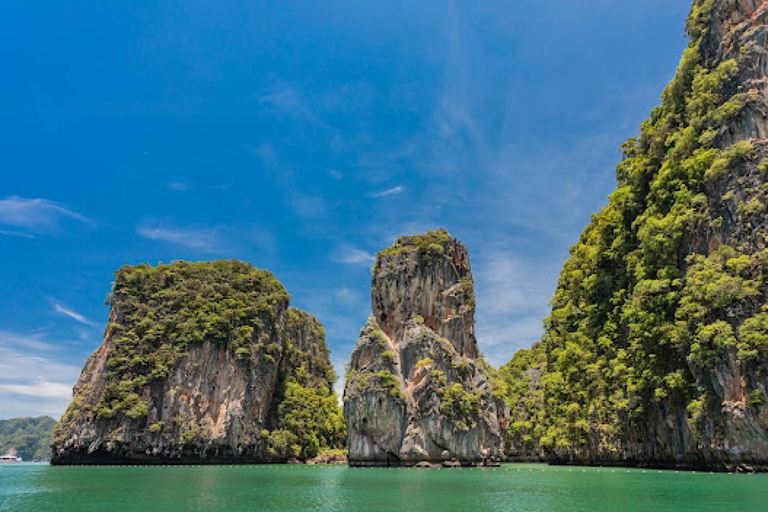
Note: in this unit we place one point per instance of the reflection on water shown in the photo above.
(299, 487)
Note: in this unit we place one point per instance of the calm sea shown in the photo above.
(38, 487)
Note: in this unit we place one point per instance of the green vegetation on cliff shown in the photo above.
(163, 309)
(462, 406)
(430, 242)
(159, 313)
(520, 382)
(305, 410)
(429, 245)
(309, 423)
(30, 437)
(644, 303)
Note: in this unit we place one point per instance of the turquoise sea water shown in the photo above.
(39, 487)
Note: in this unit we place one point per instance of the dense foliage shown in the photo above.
(310, 423)
(31, 438)
(642, 306)
(429, 243)
(520, 382)
(306, 414)
(428, 246)
(161, 310)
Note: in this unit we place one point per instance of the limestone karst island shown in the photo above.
(371, 257)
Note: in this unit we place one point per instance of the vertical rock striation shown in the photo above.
(194, 368)
(656, 351)
(417, 389)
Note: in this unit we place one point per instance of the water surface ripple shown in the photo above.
(514, 487)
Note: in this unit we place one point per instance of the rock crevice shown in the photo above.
(417, 390)
(193, 369)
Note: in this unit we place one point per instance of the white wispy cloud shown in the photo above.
(263, 238)
(29, 341)
(513, 293)
(512, 284)
(179, 186)
(501, 339)
(389, 192)
(40, 389)
(352, 255)
(553, 194)
(287, 100)
(202, 239)
(38, 215)
(268, 154)
(33, 379)
(346, 295)
(71, 313)
(494, 180)
(338, 386)
(4, 232)
(308, 206)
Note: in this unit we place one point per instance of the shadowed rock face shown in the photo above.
(416, 390)
(169, 399)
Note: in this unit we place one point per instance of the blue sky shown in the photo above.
(303, 137)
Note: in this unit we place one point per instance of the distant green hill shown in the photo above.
(32, 437)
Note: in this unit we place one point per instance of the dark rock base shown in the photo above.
(107, 458)
(424, 464)
(717, 467)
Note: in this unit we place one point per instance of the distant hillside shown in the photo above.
(31, 437)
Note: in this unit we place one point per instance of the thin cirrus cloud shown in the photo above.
(352, 256)
(36, 215)
(33, 342)
(308, 206)
(33, 379)
(285, 100)
(202, 239)
(5, 232)
(179, 186)
(513, 291)
(389, 192)
(41, 389)
(71, 313)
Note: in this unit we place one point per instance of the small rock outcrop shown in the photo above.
(417, 389)
(196, 365)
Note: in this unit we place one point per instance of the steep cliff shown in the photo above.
(203, 363)
(417, 389)
(656, 351)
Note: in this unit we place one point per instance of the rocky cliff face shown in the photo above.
(416, 389)
(656, 352)
(730, 429)
(193, 369)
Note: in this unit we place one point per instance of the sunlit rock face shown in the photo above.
(191, 369)
(416, 389)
